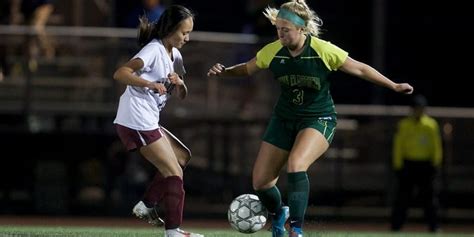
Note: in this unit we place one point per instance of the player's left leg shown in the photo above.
(183, 155)
(180, 150)
(309, 145)
(154, 193)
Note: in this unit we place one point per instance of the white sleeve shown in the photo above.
(148, 55)
(178, 65)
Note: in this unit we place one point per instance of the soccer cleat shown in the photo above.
(295, 232)
(150, 215)
(278, 222)
(180, 233)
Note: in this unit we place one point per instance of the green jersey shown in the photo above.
(304, 78)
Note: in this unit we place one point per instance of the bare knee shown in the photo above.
(163, 159)
(260, 183)
(296, 165)
(261, 186)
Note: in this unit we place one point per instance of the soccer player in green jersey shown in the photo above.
(303, 121)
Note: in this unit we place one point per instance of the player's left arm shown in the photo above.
(181, 89)
(368, 73)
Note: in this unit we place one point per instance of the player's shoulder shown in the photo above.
(154, 43)
(177, 53)
(274, 43)
(272, 46)
(155, 46)
(318, 43)
(318, 40)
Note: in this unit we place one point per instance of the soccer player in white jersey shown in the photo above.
(151, 76)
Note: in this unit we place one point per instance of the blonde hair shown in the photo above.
(300, 8)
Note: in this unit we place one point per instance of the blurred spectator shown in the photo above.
(35, 13)
(152, 9)
(417, 156)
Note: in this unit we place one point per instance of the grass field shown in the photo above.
(43, 231)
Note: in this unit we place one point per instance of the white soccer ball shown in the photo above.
(247, 214)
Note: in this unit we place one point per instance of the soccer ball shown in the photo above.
(247, 214)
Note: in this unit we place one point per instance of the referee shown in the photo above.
(417, 156)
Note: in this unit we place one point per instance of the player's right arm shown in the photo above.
(125, 74)
(243, 69)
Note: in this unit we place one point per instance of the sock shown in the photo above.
(173, 201)
(298, 191)
(271, 199)
(154, 192)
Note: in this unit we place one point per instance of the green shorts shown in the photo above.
(282, 132)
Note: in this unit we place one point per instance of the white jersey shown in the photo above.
(139, 107)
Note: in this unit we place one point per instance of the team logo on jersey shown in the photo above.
(282, 61)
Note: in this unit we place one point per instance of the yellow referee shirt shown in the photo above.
(417, 141)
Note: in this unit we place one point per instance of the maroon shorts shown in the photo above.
(134, 139)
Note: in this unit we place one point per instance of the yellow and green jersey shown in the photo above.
(304, 78)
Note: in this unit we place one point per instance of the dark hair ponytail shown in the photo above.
(145, 31)
(167, 24)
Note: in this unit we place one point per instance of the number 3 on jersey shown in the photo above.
(298, 96)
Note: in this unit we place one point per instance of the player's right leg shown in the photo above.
(149, 214)
(180, 233)
(270, 161)
(133, 140)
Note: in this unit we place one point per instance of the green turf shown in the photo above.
(41, 231)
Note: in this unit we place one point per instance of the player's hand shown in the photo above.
(175, 79)
(216, 70)
(404, 88)
(157, 88)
